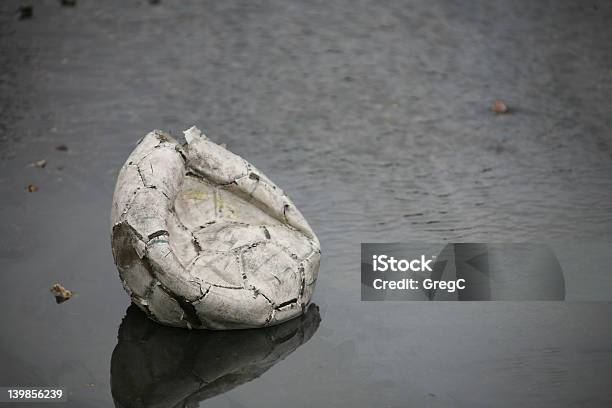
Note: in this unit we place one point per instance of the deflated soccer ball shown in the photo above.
(202, 239)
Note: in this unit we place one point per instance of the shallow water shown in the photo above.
(373, 117)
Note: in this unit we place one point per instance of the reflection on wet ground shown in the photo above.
(162, 367)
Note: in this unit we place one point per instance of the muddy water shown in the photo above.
(373, 116)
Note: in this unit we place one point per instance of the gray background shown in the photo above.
(373, 116)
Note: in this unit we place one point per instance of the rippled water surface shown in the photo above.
(374, 117)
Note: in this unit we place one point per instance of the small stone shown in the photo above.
(68, 3)
(40, 163)
(499, 107)
(62, 148)
(31, 188)
(26, 12)
(61, 293)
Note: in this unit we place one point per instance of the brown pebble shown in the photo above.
(499, 107)
(61, 293)
(32, 188)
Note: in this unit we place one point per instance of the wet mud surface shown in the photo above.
(374, 117)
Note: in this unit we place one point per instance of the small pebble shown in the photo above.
(40, 163)
(26, 12)
(61, 293)
(62, 148)
(32, 188)
(499, 107)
